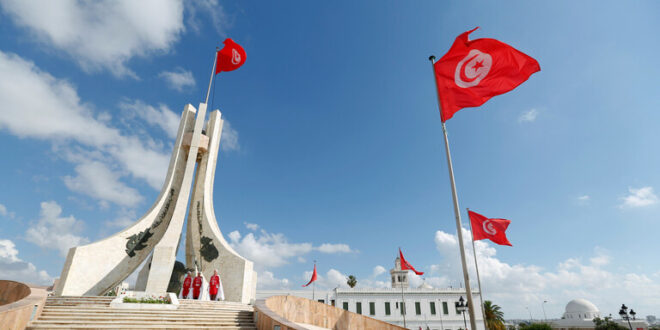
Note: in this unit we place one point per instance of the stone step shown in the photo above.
(144, 317)
(156, 326)
(96, 307)
(138, 323)
(145, 312)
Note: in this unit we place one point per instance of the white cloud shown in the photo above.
(13, 268)
(269, 250)
(161, 117)
(334, 248)
(267, 280)
(528, 116)
(584, 199)
(59, 117)
(3, 210)
(125, 218)
(639, 197)
(208, 7)
(53, 231)
(251, 226)
(513, 286)
(378, 270)
(179, 79)
(229, 138)
(96, 180)
(101, 34)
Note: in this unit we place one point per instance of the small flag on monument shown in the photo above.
(314, 277)
(405, 265)
(492, 229)
(473, 71)
(230, 57)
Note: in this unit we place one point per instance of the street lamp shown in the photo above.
(462, 306)
(623, 312)
(543, 306)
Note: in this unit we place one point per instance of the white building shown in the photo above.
(580, 314)
(424, 307)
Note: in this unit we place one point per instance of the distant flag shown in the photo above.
(230, 57)
(473, 71)
(405, 265)
(314, 277)
(492, 229)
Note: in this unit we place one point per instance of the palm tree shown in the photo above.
(352, 281)
(494, 316)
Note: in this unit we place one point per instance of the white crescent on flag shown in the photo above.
(472, 68)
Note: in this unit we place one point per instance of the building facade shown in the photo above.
(580, 314)
(423, 307)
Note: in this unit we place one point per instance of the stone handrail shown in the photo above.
(19, 304)
(291, 312)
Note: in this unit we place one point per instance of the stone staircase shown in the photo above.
(96, 313)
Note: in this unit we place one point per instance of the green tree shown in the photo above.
(606, 323)
(494, 316)
(352, 281)
(535, 326)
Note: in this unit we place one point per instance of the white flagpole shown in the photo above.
(457, 212)
(476, 265)
(215, 60)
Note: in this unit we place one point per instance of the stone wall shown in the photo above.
(289, 311)
(18, 303)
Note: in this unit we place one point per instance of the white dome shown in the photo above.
(581, 309)
(425, 286)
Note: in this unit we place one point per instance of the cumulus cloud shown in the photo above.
(268, 250)
(61, 118)
(251, 226)
(378, 270)
(161, 117)
(13, 268)
(516, 285)
(53, 231)
(267, 280)
(528, 116)
(101, 34)
(6, 213)
(96, 180)
(179, 79)
(211, 8)
(639, 197)
(334, 248)
(229, 138)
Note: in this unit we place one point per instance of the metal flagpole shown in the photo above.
(215, 60)
(476, 265)
(457, 212)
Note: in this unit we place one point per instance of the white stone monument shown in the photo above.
(95, 268)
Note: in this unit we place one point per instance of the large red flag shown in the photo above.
(492, 229)
(230, 57)
(405, 265)
(473, 71)
(314, 276)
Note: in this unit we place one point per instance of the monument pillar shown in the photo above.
(95, 268)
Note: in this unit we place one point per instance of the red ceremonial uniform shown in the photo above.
(214, 284)
(186, 286)
(197, 286)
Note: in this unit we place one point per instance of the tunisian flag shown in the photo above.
(473, 71)
(492, 229)
(314, 276)
(405, 265)
(230, 57)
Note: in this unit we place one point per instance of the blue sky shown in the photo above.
(334, 147)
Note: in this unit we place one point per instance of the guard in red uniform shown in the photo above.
(187, 282)
(197, 285)
(214, 284)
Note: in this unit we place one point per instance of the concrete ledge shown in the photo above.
(291, 312)
(120, 304)
(21, 307)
